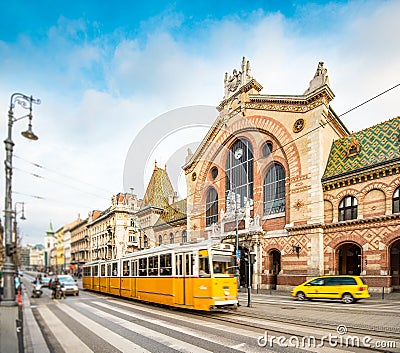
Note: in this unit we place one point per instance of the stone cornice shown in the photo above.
(295, 104)
(344, 224)
(361, 175)
(189, 166)
(109, 214)
(245, 88)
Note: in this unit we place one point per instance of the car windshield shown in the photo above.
(66, 279)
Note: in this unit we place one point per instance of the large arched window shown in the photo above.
(239, 174)
(396, 201)
(211, 207)
(274, 190)
(348, 208)
(171, 238)
(160, 239)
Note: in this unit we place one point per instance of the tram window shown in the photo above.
(153, 266)
(143, 267)
(179, 265)
(165, 265)
(189, 264)
(115, 269)
(125, 268)
(108, 270)
(95, 271)
(103, 270)
(134, 267)
(204, 267)
(221, 264)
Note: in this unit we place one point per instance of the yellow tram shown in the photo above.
(195, 276)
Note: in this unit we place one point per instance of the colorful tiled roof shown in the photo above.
(159, 189)
(172, 213)
(364, 149)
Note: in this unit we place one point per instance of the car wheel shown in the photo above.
(77, 293)
(347, 298)
(301, 296)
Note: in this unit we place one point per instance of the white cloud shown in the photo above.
(98, 94)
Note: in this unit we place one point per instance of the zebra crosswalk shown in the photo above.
(109, 326)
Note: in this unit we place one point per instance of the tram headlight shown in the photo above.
(226, 292)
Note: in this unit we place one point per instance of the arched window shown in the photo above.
(274, 190)
(348, 208)
(145, 242)
(267, 149)
(171, 238)
(211, 207)
(184, 236)
(396, 201)
(239, 174)
(160, 239)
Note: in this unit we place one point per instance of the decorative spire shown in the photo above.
(50, 231)
(320, 78)
(237, 79)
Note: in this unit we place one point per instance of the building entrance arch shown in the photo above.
(274, 266)
(349, 259)
(395, 264)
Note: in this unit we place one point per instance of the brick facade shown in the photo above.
(308, 236)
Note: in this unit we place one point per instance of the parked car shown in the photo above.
(349, 289)
(70, 285)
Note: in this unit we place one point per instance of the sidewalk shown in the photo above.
(11, 325)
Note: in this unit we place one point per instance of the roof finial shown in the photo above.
(320, 78)
(155, 164)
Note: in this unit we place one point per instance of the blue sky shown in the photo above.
(103, 70)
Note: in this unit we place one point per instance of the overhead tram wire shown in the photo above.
(63, 175)
(42, 198)
(307, 133)
(60, 183)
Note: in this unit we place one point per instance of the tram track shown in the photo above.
(300, 328)
(286, 326)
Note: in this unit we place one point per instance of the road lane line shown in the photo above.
(213, 338)
(67, 339)
(171, 342)
(114, 339)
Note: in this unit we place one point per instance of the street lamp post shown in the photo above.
(9, 268)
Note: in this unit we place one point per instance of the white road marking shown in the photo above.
(143, 331)
(67, 339)
(214, 338)
(114, 339)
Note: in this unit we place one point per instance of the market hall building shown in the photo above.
(282, 177)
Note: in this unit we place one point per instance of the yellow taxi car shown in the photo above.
(349, 289)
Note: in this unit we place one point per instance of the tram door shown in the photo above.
(179, 279)
(183, 280)
(134, 274)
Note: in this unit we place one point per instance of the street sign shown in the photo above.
(238, 254)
